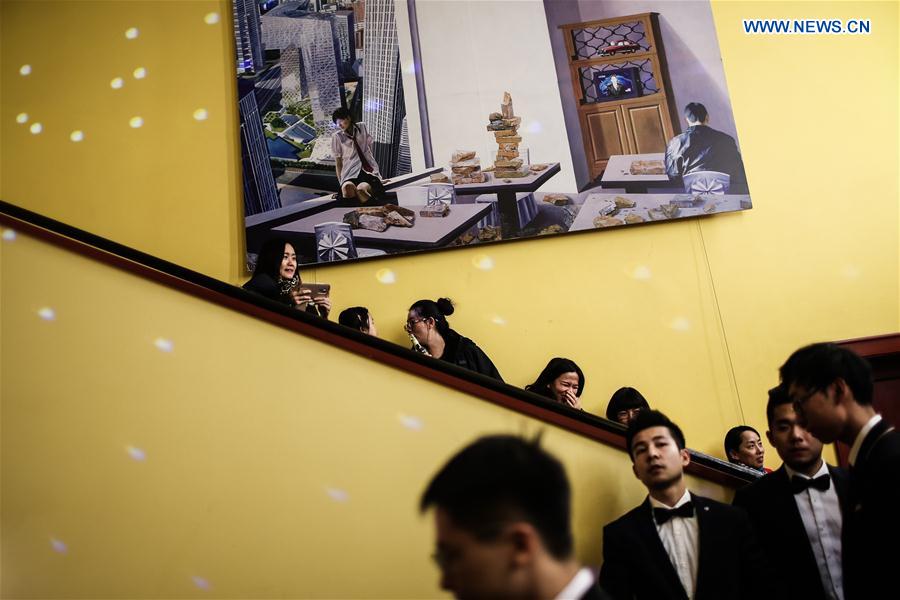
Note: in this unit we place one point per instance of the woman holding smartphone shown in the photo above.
(276, 277)
(427, 324)
(562, 381)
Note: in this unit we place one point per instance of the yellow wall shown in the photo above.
(698, 314)
(267, 464)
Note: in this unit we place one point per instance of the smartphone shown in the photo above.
(315, 290)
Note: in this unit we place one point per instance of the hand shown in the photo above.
(301, 299)
(388, 180)
(323, 304)
(570, 399)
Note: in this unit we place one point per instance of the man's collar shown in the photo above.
(578, 587)
(857, 444)
(823, 470)
(654, 503)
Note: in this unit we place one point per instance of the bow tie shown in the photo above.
(821, 483)
(661, 515)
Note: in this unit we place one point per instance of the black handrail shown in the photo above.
(236, 298)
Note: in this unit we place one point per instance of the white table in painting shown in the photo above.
(427, 232)
(618, 173)
(688, 206)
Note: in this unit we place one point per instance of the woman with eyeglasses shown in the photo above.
(561, 380)
(276, 277)
(625, 404)
(427, 324)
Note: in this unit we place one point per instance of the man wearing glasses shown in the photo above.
(831, 389)
(502, 516)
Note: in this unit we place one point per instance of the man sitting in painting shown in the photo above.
(702, 148)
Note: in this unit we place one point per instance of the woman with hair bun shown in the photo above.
(561, 380)
(427, 324)
(359, 318)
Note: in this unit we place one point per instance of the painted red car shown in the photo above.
(623, 47)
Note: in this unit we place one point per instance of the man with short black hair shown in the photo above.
(502, 508)
(796, 511)
(831, 388)
(676, 544)
(702, 148)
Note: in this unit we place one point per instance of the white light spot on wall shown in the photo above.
(140, 73)
(117, 83)
(131, 33)
(680, 324)
(411, 422)
(164, 344)
(372, 105)
(201, 114)
(36, 128)
(9, 235)
(201, 583)
(641, 273)
(483, 262)
(22, 118)
(25, 70)
(135, 122)
(47, 313)
(534, 127)
(385, 276)
(409, 67)
(76, 136)
(59, 546)
(498, 320)
(851, 272)
(337, 495)
(136, 453)
(211, 18)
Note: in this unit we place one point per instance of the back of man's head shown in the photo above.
(695, 112)
(652, 418)
(502, 479)
(817, 366)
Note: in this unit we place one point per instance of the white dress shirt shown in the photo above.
(857, 443)
(681, 539)
(821, 515)
(578, 587)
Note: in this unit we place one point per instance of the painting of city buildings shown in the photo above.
(296, 63)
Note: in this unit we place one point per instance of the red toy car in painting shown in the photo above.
(623, 47)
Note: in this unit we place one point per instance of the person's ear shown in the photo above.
(769, 437)
(841, 389)
(733, 456)
(685, 457)
(524, 541)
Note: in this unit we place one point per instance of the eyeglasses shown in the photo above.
(409, 325)
(628, 413)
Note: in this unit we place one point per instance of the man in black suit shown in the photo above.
(502, 508)
(831, 388)
(796, 510)
(677, 545)
(702, 148)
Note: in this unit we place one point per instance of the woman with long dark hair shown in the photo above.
(561, 380)
(427, 324)
(354, 161)
(276, 277)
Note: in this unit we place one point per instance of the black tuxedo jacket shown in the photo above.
(731, 564)
(779, 528)
(871, 548)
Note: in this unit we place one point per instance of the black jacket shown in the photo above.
(871, 540)
(463, 352)
(702, 148)
(731, 564)
(769, 501)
